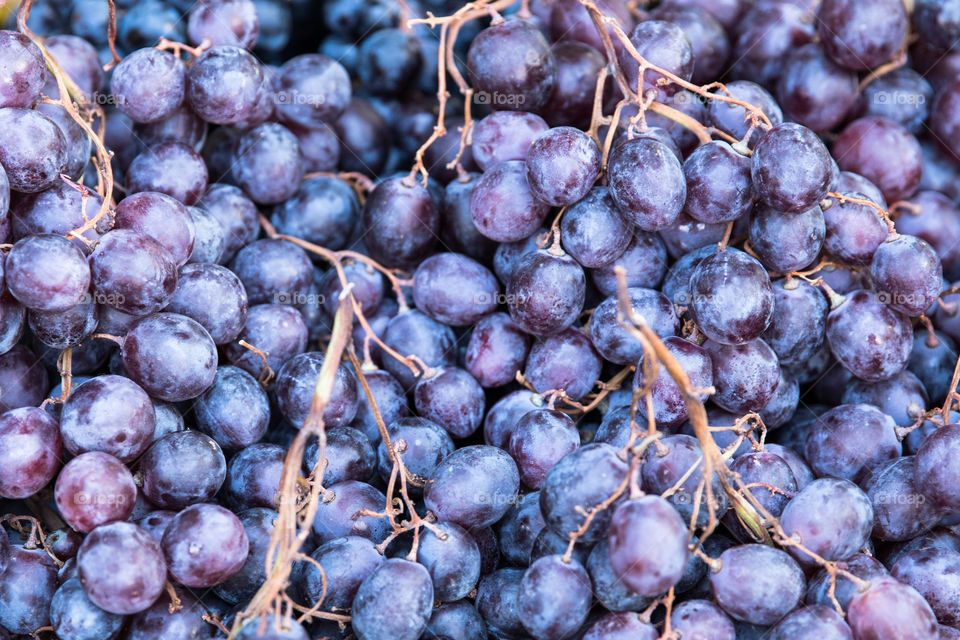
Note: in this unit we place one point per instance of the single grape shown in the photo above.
(867, 146)
(719, 187)
(646, 182)
(614, 342)
(907, 274)
(75, 617)
(497, 596)
(46, 272)
(204, 545)
(735, 119)
(324, 211)
(541, 438)
(340, 516)
(402, 220)
(609, 589)
(797, 325)
(554, 598)
(268, 164)
(702, 619)
(223, 84)
(349, 456)
(294, 389)
(832, 517)
(458, 619)
(566, 360)
(389, 398)
(546, 292)
(709, 41)
(502, 417)
(902, 397)
(519, 529)
(148, 84)
(24, 383)
(786, 242)
(890, 609)
(253, 477)
(182, 468)
(156, 622)
(665, 45)
(496, 350)
(111, 414)
(235, 212)
(24, 70)
(766, 34)
(394, 602)
(279, 330)
(848, 440)
(454, 289)
(132, 272)
(791, 168)
(511, 66)
(645, 261)
(414, 333)
(364, 137)
(571, 102)
(171, 168)
(224, 22)
(474, 486)
(817, 622)
(648, 569)
(30, 452)
(94, 489)
(503, 206)
(346, 564)
(854, 231)
(311, 89)
(562, 165)
(121, 567)
(814, 91)
(668, 466)
(868, 337)
(161, 217)
(28, 587)
(732, 297)
(453, 561)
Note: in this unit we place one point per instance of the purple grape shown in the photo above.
(665, 45)
(28, 587)
(902, 96)
(709, 41)
(349, 456)
(613, 341)
(541, 438)
(505, 135)
(213, 296)
(721, 304)
(394, 602)
(24, 383)
(459, 620)
(274, 272)
(46, 273)
(364, 137)
(311, 89)
(497, 596)
(701, 619)
(74, 616)
(861, 565)
(453, 561)
(452, 398)
(767, 33)
(110, 414)
(94, 489)
(554, 598)
(496, 350)
(182, 468)
(161, 217)
(646, 182)
(30, 451)
(294, 389)
(832, 517)
(867, 146)
(277, 329)
(645, 261)
(854, 231)
(734, 119)
(474, 486)
(148, 84)
(764, 469)
(562, 165)
(454, 289)
(881, 26)
(901, 511)
(571, 102)
(609, 589)
(848, 440)
(745, 375)
(234, 411)
(936, 468)
(520, 528)
(666, 466)
(511, 66)
(502, 205)
(868, 337)
(204, 545)
(787, 242)
(757, 584)
(546, 292)
(402, 223)
(932, 572)
(237, 213)
(320, 147)
(389, 398)
(457, 230)
(648, 570)
(891, 609)
(224, 22)
(503, 416)
(507, 255)
(719, 187)
(817, 622)
(223, 85)
(171, 356)
(324, 211)
(367, 287)
(155, 522)
(268, 164)
(57, 210)
(171, 168)
(566, 360)
(791, 168)
(156, 622)
(132, 272)
(594, 232)
(814, 91)
(253, 477)
(13, 320)
(414, 333)
(797, 325)
(902, 397)
(276, 629)
(907, 274)
(64, 329)
(24, 71)
(121, 567)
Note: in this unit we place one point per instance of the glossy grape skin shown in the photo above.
(163, 218)
(132, 272)
(452, 398)
(848, 440)
(932, 572)
(311, 89)
(663, 44)
(698, 619)
(816, 622)
(572, 99)
(617, 344)
(157, 622)
(512, 65)
(171, 356)
(901, 511)
(274, 272)
(295, 385)
(323, 211)
(213, 296)
(268, 164)
(236, 212)
(581, 480)
(496, 350)
(24, 71)
(648, 570)
(902, 397)
(253, 477)
(554, 598)
(854, 231)
(937, 469)
(93, 489)
(30, 453)
(609, 589)
(457, 229)
(12, 322)
(871, 340)
(413, 333)
(890, 609)
(171, 168)
(277, 329)
(902, 96)
(56, 210)
(502, 205)
(454, 289)
(646, 183)
(33, 150)
(389, 397)
(148, 84)
(46, 273)
(786, 242)
(862, 35)
(497, 601)
(767, 33)
(505, 135)
(394, 602)
(155, 522)
(709, 41)
(28, 586)
(566, 360)
(346, 564)
(474, 486)
(403, 222)
(223, 85)
(797, 325)
(761, 470)
(453, 561)
(349, 455)
(721, 304)
(122, 568)
(182, 468)
(73, 616)
(540, 439)
(24, 383)
(503, 415)
(932, 365)
(562, 165)
(546, 292)
(719, 187)
(111, 414)
(757, 584)
(519, 529)
(832, 517)
(907, 274)
(204, 545)
(814, 91)
(224, 22)
(458, 620)
(593, 231)
(936, 222)
(857, 149)
(791, 168)
(338, 517)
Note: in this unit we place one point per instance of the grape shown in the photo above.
(646, 182)
(817, 622)
(497, 596)
(848, 440)
(30, 451)
(489, 547)
(936, 468)
(346, 564)
(121, 567)
(932, 573)
(496, 350)
(156, 622)
(797, 325)
(148, 84)
(566, 360)
(890, 609)
(814, 91)
(453, 561)
(183, 125)
(709, 41)
(569, 21)
(901, 511)
(562, 165)
(665, 45)
(861, 565)
(274, 271)
(902, 397)
(389, 60)
(24, 70)
(268, 164)
(93, 489)
(645, 261)
(907, 273)
(204, 544)
(171, 168)
(389, 398)
(28, 587)
(155, 523)
(787, 242)
(457, 620)
(868, 338)
(757, 584)
(73, 616)
(46, 273)
(933, 365)
(223, 84)
(349, 455)
(502, 205)
(910, 106)
(237, 213)
(593, 231)
(454, 289)
(503, 416)
(511, 66)
(457, 230)
(149, 20)
(12, 322)
(64, 329)
(24, 383)
(505, 135)
(224, 22)
(665, 468)
(520, 527)
(367, 287)
(162, 218)
(608, 587)
(719, 187)
(171, 356)
(648, 570)
(414, 333)
(791, 168)
(854, 231)
(295, 385)
(546, 292)
(734, 119)
(732, 297)
(554, 598)
(861, 36)
(572, 99)
(323, 211)
(393, 602)
(365, 139)
(213, 296)
(832, 517)
(617, 344)
(864, 147)
(311, 89)
(132, 272)
(508, 254)
(760, 471)
(277, 329)
(253, 476)
(936, 223)
(402, 221)
(56, 210)
(320, 147)
(936, 23)
(340, 516)
(111, 414)
(474, 486)
(182, 468)
(540, 439)
(452, 398)
(701, 619)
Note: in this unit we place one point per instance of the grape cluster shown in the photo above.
(518, 319)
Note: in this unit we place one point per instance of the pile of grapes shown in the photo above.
(403, 319)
